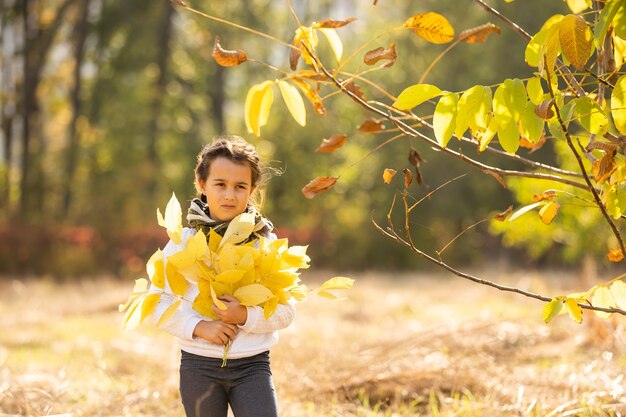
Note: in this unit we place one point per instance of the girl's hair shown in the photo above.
(235, 149)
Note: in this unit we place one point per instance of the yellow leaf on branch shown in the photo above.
(253, 294)
(576, 40)
(431, 27)
(574, 310)
(294, 102)
(549, 211)
(172, 220)
(257, 107)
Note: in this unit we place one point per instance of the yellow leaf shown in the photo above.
(253, 294)
(131, 318)
(431, 27)
(550, 52)
(148, 305)
(280, 280)
(551, 309)
(203, 305)
(176, 281)
(549, 212)
(173, 219)
(168, 313)
(388, 174)
(618, 104)
(618, 290)
(230, 277)
(576, 40)
(335, 42)
(270, 307)
(214, 240)
(508, 137)
(444, 118)
(186, 260)
(415, 95)
(577, 6)
(295, 257)
(258, 104)
(219, 303)
(294, 101)
(155, 269)
(239, 229)
(473, 110)
(141, 285)
(337, 283)
(326, 294)
(574, 310)
(602, 297)
(533, 53)
(305, 36)
(299, 293)
(605, 20)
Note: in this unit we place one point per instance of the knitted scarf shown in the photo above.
(199, 218)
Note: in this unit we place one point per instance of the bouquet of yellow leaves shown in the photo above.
(258, 273)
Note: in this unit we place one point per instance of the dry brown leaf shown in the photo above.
(603, 146)
(375, 55)
(335, 142)
(497, 176)
(415, 158)
(478, 34)
(546, 195)
(294, 57)
(525, 143)
(355, 89)
(615, 255)
(503, 215)
(544, 109)
(333, 24)
(408, 177)
(604, 167)
(371, 125)
(388, 174)
(227, 58)
(318, 185)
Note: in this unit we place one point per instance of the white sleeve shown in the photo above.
(185, 319)
(257, 323)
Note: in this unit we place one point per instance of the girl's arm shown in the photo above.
(252, 319)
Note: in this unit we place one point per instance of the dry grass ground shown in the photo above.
(401, 345)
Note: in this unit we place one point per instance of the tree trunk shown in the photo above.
(37, 43)
(80, 35)
(217, 95)
(163, 53)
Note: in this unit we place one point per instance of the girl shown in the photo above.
(227, 176)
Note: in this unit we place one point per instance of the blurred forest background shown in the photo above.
(105, 104)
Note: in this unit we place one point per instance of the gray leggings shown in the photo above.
(246, 384)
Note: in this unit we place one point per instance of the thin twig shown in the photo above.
(590, 186)
(391, 233)
(410, 131)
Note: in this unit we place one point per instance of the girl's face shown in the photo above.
(227, 188)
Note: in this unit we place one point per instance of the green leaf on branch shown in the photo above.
(473, 110)
(618, 104)
(533, 53)
(615, 200)
(508, 136)
(551, 309)
(602, 297)
(534, 90)
(590, 116)
(444, 118)
(415, 95)
(606, 20)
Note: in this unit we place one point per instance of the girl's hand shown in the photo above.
(235, 313)
(215, 331)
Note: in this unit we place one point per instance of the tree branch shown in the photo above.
(391, 233)
(590, 186)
